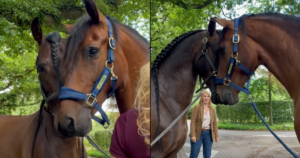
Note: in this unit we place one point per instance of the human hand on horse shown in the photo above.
(194, 139)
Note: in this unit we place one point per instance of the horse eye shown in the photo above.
(41, 68)
(93, 51)
(221, 50)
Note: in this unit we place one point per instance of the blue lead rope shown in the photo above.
(280, 141)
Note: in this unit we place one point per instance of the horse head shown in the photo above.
(95, 67)
(238, 59)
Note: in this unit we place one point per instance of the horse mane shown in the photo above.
(269, 14)
(133, 31)
(166, 51)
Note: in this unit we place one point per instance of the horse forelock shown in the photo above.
(75, 39)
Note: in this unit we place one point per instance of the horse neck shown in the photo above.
(50, 143)
(280, 54)
(176, 78)
(136, 52)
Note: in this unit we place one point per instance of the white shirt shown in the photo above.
(206, 120)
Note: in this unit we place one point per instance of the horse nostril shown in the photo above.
(69, 124)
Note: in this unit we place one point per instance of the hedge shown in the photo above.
(243, 112)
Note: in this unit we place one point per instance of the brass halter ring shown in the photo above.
(236, 57)
(226, 81)
(205, 39)
(112, 69)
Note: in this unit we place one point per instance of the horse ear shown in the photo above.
(92, 10)
(69, 28)
(211, 27)
(224, 23)
(36, 31)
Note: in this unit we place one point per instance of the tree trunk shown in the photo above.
(270, 99)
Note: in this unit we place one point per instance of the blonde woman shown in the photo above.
(204, 127)
(131, 136)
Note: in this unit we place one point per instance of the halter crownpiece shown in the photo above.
(90, 99)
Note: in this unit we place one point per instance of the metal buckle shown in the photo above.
(237, 54)
(226, 81)
(113, 76)
(204, 51)
(112, 43)
(235, 38)
(90, 98)
(215, 73)
(205, 39)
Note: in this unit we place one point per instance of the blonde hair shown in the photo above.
(142, 103)
(201, 99)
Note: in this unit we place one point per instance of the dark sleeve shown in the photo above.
(117, 146)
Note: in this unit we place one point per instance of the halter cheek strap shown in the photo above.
(234, 61)
(90, 99)
(204, 53)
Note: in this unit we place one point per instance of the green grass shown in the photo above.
(256, 127)
(94, 153)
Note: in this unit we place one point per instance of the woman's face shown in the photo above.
(206, 98)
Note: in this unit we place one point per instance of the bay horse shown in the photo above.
(173, 80)
(93, 40)
(21, 138)
(269, 39)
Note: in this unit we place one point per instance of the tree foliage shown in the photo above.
(171, 18)
(18, 78)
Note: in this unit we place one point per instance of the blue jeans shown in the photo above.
(205, 138)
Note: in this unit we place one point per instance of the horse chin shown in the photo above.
(214, 98)
(227, 97)
(79, 132)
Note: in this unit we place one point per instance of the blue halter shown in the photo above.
(234, 60)
(90, 99)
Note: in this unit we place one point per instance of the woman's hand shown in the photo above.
(217, 139)
(194, 139)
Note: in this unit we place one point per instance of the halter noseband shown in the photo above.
(204, 52)
(90, 99)
(234, 60)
